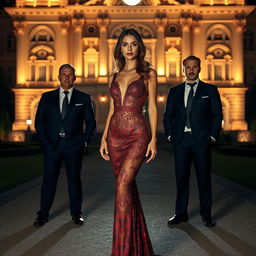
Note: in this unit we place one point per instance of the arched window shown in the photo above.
(218, 34)
(172, 60)
(41, 60)
(42, 36)
(219, 63)
(91, 62)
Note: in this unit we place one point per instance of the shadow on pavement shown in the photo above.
(48, 242)
(235, 242)
(10, 241)
(203, 241)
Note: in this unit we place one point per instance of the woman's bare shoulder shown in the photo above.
(152, 73)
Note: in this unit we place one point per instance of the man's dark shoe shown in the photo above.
(177, 219)
(208, 222)
(40, 221)
(78, 220)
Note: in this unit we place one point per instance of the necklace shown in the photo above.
(129, 70)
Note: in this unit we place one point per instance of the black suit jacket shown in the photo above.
(48, 122)
(205, 115)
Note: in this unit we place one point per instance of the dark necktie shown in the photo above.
(189, 103)
(65, 104)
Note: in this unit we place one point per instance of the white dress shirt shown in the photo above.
(62, 96)
(186, 93)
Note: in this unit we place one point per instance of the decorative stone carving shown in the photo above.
(154, 2)
(64, 24)
(185, 21)
(240, 22)
(19, 25)
(110, 2)
(78, 21)
(103, 21)
(160, 21)
(144, 32)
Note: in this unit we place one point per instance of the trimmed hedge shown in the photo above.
(241, 149)
(10, 149)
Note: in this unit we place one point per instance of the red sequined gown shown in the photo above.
(128, 138)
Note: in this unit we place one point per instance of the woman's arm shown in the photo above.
(152, 111)
(103, 145)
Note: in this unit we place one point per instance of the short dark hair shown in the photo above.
(191, 57)
(67, 66)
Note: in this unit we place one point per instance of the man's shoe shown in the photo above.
(177, 219)
(208, 222)
(78, 220)
(40, 221)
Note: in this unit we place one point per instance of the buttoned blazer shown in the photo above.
(205, 115)
(49, 122)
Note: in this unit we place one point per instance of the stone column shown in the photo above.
(111, 45)
(160, 22)
(103, 22)
(62, 50)
(185, 22)
(153, 53)
(197, 42)
(77, 23)
(238, 50)
(21, 56)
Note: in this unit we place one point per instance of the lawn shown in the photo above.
(15, 170)
(19, 169)
(240, 169)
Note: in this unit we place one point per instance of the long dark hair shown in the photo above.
(142, 65)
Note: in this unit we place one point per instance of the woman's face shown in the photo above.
(129, 47)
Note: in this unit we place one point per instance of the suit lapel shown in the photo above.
(181, 95)
(56, 102)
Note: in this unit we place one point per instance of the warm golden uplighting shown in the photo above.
(28, 122)
(103, 71)
(160, 71)
(103, 99)
(245, 136)
(161, 99)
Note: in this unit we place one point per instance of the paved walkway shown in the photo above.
(234, 209)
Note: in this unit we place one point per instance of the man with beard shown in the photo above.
(192, 123)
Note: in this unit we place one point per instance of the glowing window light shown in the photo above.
(161, 98)
(103, 99)
(131, 2)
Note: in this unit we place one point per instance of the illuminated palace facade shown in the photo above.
(84, 33)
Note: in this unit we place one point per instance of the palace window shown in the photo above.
(172, 60)
(217, 72)
(91, 62)
(219, 63)
(42, 35)
(218, 34)
(41, 62)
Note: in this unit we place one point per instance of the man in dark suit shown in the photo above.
(59, 123)
(192, 123)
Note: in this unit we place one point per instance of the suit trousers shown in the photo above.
(53, 159)
(189, 151)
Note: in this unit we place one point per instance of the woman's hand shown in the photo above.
(104, 150)
(151, 150)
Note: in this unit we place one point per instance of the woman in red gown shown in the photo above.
(127, 141)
